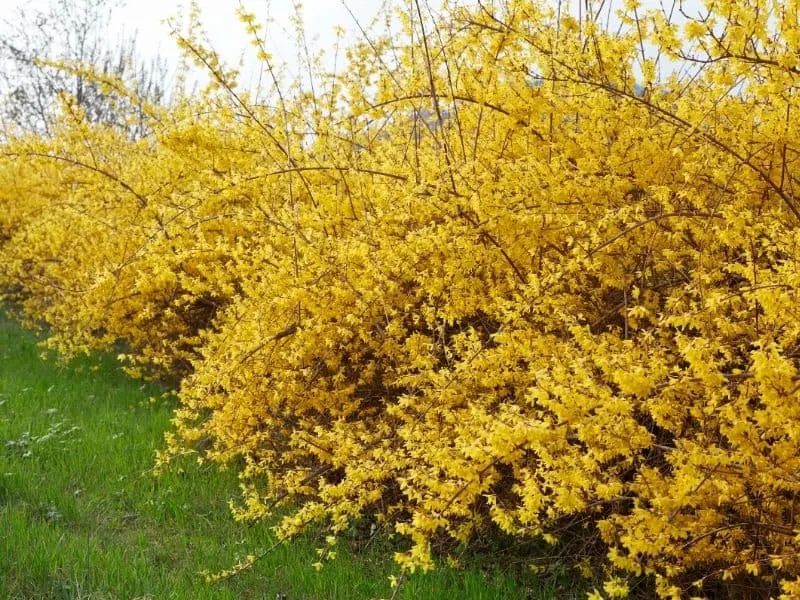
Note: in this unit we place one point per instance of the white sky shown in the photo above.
(227, 33)
(147, 18)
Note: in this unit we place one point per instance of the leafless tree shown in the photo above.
(75, 32)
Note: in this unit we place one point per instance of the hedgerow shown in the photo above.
(513, 269)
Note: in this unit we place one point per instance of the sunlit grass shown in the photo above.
(83, 517)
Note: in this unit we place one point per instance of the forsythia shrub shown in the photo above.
(513, 269)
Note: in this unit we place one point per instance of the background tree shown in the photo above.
(74, 32)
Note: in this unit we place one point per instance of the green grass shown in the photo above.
(83, 517)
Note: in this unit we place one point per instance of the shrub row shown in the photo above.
(501, 274)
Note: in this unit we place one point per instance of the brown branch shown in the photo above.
(691, 130)
(644, 222)
(77, 163)
(768, 526)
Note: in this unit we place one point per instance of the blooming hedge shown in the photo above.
(512, 269)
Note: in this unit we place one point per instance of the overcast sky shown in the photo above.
(227, 33)
(147, 18)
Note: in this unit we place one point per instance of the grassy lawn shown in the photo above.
(83, 517)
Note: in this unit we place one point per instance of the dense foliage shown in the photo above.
(515, 269)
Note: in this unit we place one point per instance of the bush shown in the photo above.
(522, 275)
